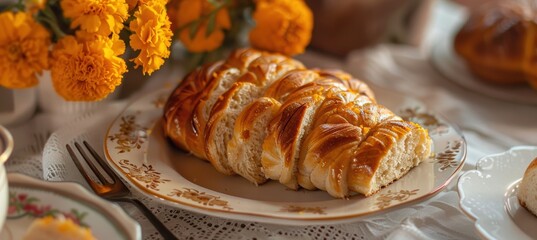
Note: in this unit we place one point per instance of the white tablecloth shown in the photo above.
(489, 125)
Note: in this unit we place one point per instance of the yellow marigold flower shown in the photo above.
(24, 47)
(194, 10)
(282, 26)
(87, 70)
(96, 16)
(151, 35)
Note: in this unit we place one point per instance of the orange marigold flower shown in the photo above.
(24, 47)
(282, 26)
(87, 70)
(96, 16)
(151, 35)
(194, 10)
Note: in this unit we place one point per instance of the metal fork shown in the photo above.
(113, 191)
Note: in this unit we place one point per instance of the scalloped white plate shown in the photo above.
(30, 198)
(136, 147)
(453, 68)
(488, 195)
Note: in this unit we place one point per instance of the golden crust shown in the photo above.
(179, 108)
(287, 84)
(280, 145)
(241, 58)
(349, 82)
(367, 157)
(531, 167)
(320, 148)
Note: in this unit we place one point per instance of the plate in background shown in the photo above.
(30, 198)
(451, 66)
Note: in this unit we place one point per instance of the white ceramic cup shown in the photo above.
(6, 147)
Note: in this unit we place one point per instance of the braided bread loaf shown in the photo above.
(265, 116)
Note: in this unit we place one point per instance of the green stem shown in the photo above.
(18, 6)
(202, 18)
(53, 26)
(52, 21)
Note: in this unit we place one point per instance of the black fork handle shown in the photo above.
(163, 230)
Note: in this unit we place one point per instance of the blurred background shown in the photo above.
(345, 25)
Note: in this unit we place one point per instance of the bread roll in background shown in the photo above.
(499, 42)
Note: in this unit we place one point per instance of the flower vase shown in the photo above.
(16, 105)
(50, 102)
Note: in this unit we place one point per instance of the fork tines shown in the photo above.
(90, 163)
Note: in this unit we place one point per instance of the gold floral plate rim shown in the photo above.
(206, 201)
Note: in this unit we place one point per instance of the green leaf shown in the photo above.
(215, 3)
(194, 28)
(211, 24)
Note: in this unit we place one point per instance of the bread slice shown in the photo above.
(334, 126)
(219, 128)
(236, 66)
(212, 92)
(346, 121)
(245, 147)
(322, 147)
(390, 150)
(177, 117)
(527, 190)
(281, 148)
(240, 67)
(219, 84)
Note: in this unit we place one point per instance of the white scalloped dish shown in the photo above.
(489, 195)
